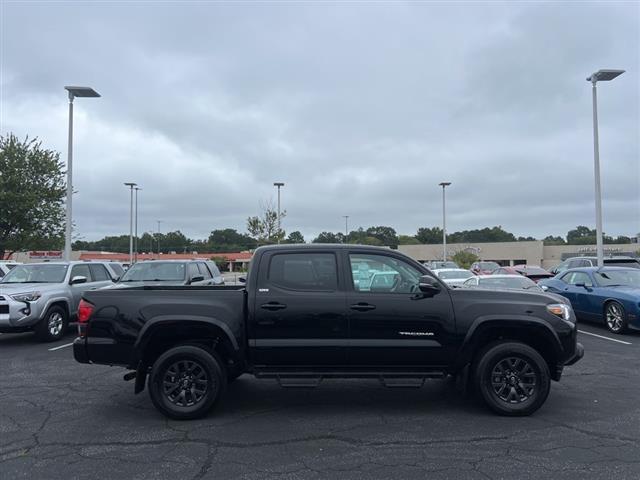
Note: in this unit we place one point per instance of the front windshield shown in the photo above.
(514, 281)
(455, 275)
(51, 273)
(629, 277)
(155, 272)
(488, 265)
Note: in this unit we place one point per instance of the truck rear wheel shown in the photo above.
(186, 382)
(512, 378)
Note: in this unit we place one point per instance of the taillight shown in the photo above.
(85, 310)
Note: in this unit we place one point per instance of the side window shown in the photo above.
(566, 278)
(82, 271)
(192, 270)
(118, 270)
(204, 270)
(304, 271)
(99, 273)
(580, 277)
(214, 269)
(382, 274)
(470, 282)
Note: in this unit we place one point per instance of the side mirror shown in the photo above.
(197, 278)
(544, 288)
(428, 284)
(242, 279)
(78, 279)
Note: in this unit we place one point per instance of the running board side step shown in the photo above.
(313, 379)
(288, 381)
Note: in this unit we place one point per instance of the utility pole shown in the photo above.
(346, 228)
(444, 222)
(279, 184)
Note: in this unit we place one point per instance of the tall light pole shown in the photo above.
(73, 93)
(599, 76)
(131, 185)
(159, 222)
(346, 227)
(444, 222)
(135, 256)
(278, 184)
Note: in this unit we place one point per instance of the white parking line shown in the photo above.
(605, 338)
(59, 347)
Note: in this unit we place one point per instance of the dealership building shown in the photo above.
(514, 253)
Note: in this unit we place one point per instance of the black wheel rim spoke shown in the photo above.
(513, 380)
(185, 383)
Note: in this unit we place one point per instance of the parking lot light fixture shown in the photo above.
(444, 222)
(131, 185)
(73, 92)
(278, 184)
(599, 76)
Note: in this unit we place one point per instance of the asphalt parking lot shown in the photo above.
(63, 420)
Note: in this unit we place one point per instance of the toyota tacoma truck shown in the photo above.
(312, 312)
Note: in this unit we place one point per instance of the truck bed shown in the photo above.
(124, 316)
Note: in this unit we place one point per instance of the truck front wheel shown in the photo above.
(186, 382)
(512, 378)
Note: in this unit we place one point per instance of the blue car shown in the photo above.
(608, 294)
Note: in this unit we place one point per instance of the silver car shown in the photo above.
(44, 297)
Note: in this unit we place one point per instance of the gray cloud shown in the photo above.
(360, 108)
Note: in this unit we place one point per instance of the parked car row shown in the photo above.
(44, 297)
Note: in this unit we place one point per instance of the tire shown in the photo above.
(186, 382)
(53, 325)
(615, 318)
(512, 378)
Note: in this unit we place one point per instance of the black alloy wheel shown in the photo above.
(512, 378)
(615, 317)
(186, 382)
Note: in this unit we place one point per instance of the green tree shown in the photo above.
(407, 240)
(386, 235)
(431, 236)
(264, 227)
(464, 258)
(229, 239)
(493, 234)
(527, 239)
(329, 237)
(32, 193)
(295, 237)
(551, 240)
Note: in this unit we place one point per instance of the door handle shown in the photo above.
(266, 322)
(273, 306)
(362, 307)
(93, 288)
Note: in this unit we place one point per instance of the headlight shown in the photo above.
(26, 297)
(560, 309)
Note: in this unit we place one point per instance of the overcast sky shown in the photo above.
(360, 108)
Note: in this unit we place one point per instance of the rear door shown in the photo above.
(300, 310)
(392, 323)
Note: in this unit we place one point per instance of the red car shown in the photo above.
(484, 268)
(532, 272)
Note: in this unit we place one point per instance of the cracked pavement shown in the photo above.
(63, 420)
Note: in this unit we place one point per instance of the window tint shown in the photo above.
(202, 268)
(304, 271)
(574, 278)
(99, 273)
(82, 271)
(117, 268)
(214, 269)
(382, 274)
(193, 270)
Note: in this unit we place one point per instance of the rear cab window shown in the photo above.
(303, 271)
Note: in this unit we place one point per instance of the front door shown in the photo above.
(300, 311)
(392, 323)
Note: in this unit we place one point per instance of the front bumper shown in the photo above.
(579, 353)
(19, 316)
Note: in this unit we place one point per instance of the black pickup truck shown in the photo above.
(310, 312)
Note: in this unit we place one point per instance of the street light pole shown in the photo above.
(599, 76)
(346, 227)
(444, 222)
(135, 257)
(131, 185)
(159, 222)
(279, 184)
(73, 92)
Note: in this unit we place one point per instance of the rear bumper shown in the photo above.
(579, 353)
(80, 350)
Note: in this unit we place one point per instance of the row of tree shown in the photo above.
(32, 195)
